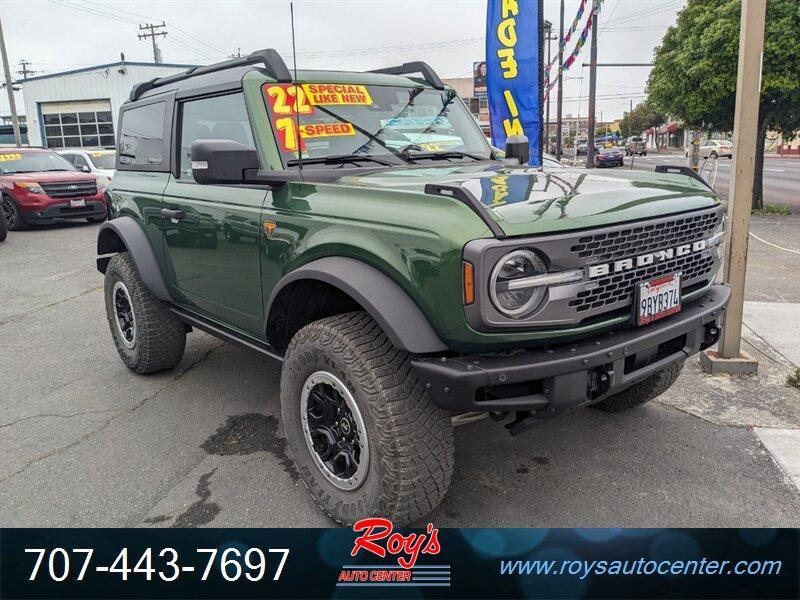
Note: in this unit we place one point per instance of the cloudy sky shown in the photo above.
(59, 35)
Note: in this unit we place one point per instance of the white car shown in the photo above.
(714, 148)
(100, 162)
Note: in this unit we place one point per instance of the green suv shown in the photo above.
(359, 228)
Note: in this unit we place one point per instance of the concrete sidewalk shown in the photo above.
(778, 324)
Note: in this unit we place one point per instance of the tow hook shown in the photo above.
(599, 382)
(522, 420)
(710, 335)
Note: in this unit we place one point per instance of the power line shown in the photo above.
(643, 14)
(613, 10)
(169, 24)
(121, 18)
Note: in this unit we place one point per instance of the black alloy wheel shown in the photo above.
(334, 430)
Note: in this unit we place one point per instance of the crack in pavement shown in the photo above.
(54, 415)
(52, 304)
(129, 411)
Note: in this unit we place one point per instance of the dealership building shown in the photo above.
(80, 108)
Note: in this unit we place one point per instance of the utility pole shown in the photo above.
(153, 35)
(560, 81)
(592, 86)
(548, 29)
(631, 129)
(10, 89)
(730, 358)
(25, 71)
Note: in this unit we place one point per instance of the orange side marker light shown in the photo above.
(469, 283)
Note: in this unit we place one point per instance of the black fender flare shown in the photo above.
(130, 233)
(385, 301)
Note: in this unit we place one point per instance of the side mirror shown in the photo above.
(518, 148)
(84, 169)
(222, 161)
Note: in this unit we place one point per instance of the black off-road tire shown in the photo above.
(642, 392)
(14, 220)
(410, 440)
(160, 337)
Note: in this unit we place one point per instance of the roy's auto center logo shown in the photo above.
(401, 554)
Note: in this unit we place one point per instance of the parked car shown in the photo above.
(3, 226)
(98, 161)
(39, 186)
(635, 145)
(582, 149)
(608, 157)
(714, 149)
(400, 287)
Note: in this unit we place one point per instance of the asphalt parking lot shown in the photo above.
(87, 443)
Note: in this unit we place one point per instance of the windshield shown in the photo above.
(391, 124)
(103, 160)
(34, 162)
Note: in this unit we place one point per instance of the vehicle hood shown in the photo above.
(526, 200)
(50, 176)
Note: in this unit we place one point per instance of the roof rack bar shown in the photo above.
(415, 67)
(268, 57)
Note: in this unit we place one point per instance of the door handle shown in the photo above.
(171, 214)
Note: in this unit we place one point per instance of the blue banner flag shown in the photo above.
(513, 71)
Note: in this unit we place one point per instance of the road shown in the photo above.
(88, 443)
(781, 176)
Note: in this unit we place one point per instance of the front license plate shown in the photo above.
(658, 298)
(80, 203)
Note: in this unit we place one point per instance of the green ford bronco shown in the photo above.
(359, 228)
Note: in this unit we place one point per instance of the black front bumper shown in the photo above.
(551, 379)
(63, 211)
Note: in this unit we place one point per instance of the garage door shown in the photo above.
(79, 124)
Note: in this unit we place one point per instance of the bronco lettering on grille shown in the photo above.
(626, 264)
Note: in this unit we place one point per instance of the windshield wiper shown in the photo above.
(444, 155)
(335, 159)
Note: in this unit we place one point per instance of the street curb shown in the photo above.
(783, 445)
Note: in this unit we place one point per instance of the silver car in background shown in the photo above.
(98, 161)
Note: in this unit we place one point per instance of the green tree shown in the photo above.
(694, 71)
(643, 116)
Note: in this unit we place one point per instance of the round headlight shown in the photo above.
(512, 301)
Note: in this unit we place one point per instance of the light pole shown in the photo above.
(730, 358)
(12, 104)
(560, 81)
(592, 86)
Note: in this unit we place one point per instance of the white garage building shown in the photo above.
(80, 108)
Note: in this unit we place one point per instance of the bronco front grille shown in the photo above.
(619, 288)
(73, 189)
(612, 245)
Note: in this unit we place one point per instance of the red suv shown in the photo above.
(39, 186)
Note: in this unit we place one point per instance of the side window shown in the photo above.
(79, 161)
(141, 135)
(218, 118)
(69, 157)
